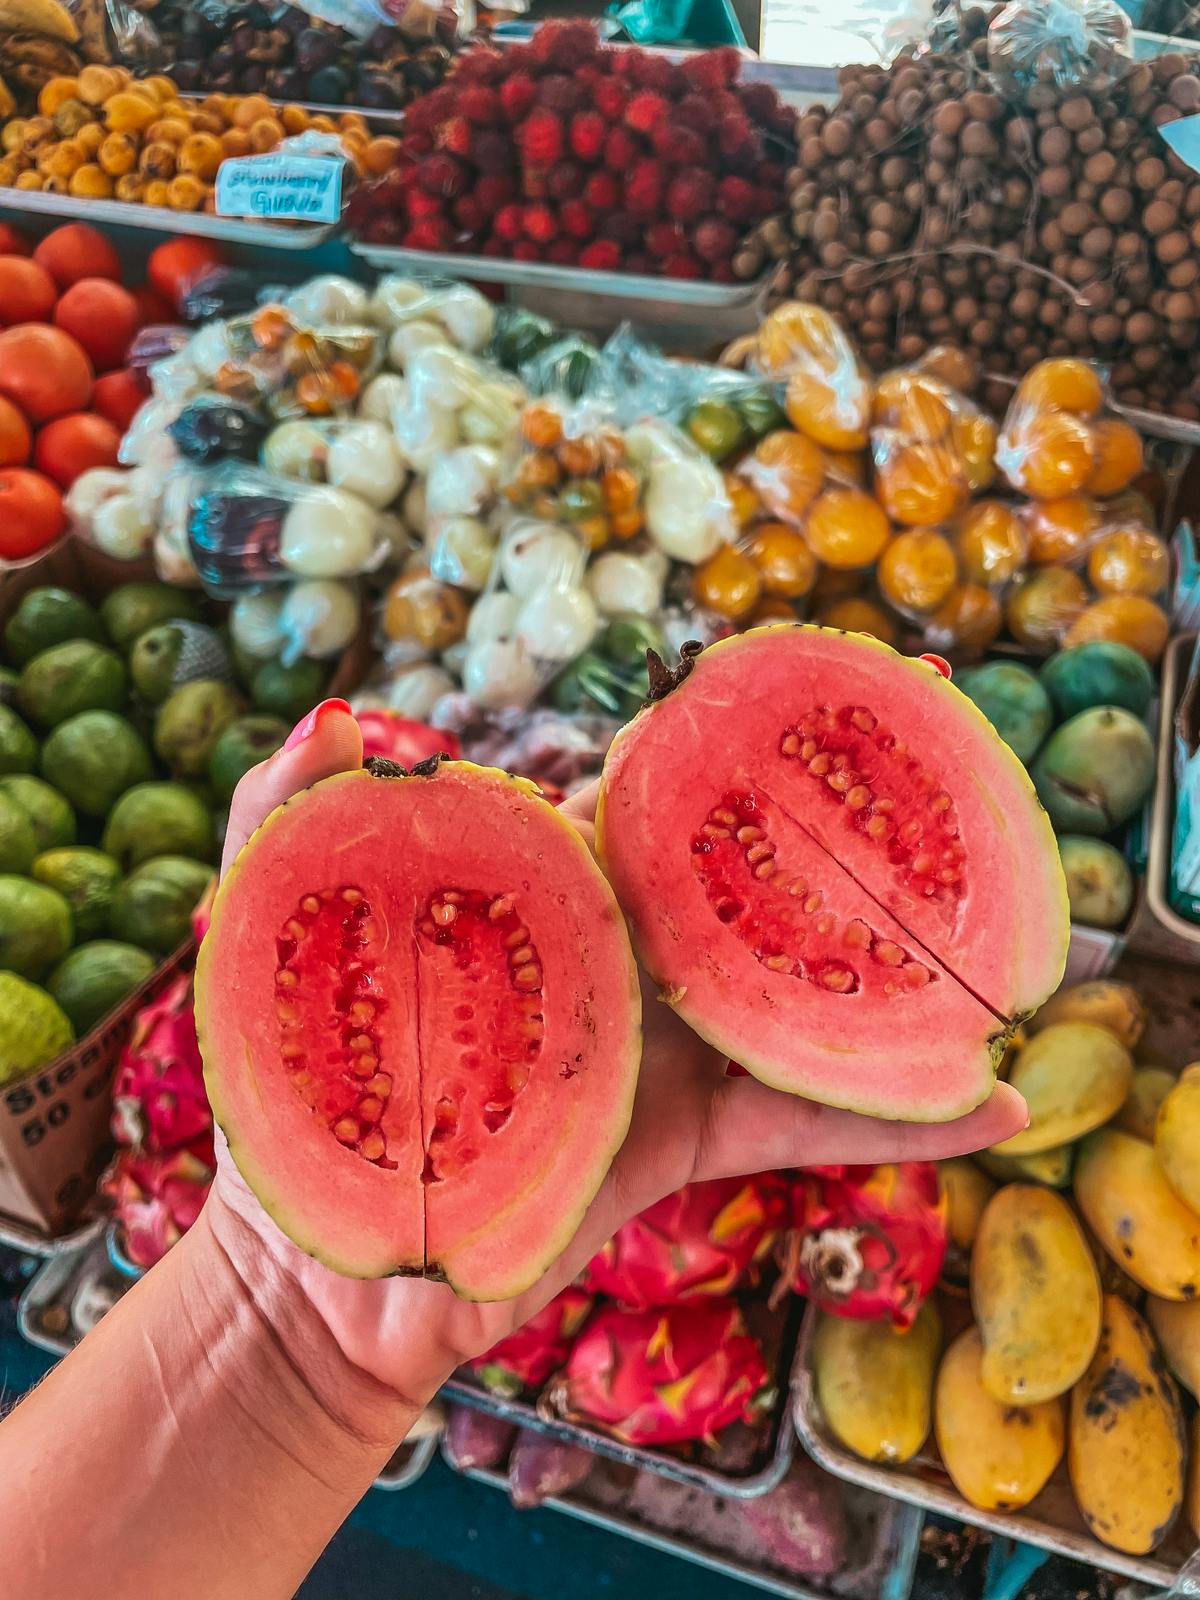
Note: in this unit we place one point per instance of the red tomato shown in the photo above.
(77, 251)
(118, 396)
(44, 371)
(72, 445)
(16, 440)
(13, 242)
(27, 291)
(102, 316)
(173, 267)
(31, 513)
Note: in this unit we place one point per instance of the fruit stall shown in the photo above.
(529, 389)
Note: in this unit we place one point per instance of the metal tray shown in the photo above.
(45, 1311)
(20, 1236)
(410, 1463)
(161, 219)
(1162, 829)
(883, 1536)
(746, 1462)
(1052, 1522)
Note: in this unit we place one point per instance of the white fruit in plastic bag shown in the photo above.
(467, 317)
(255, 623)
(383, 396)
(539, 555)
(122, 529)
(365, 459)
(411, 338)
(687, 510)
(494, 415)
(172, 560)
(329, 298)
(558, 624)
(454, 657)
(328, 534)
(146, 440)
(424, 433)
(462, 482)
(88, 493)
(620, 582)
(318, 618)
(416, 690)
(493, 616)
(396, 299)
(148, 485)
(208, 349)
(296, 449)
(462, 551)
(395, 532)
(412, 507)
(499, 674)
(440, 375)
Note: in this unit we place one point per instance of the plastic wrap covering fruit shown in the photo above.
(1084, 42)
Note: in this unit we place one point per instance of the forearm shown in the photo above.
(201, 1443)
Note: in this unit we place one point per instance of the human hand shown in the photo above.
(690, 1122)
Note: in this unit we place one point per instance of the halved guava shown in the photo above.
(420, 1022)
(835, 869)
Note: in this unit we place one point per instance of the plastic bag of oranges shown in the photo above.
(827, 392)
(1057, 440)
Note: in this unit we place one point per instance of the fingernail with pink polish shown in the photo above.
(306, 729)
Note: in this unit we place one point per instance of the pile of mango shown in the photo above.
(1068, 1318)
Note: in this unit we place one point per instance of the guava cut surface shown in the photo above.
(420, 1021)
(835, 870)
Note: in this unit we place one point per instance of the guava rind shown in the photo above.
(135, 607)
(190, 722)
(1099, 673)
(288, 692)
(174, 653)
(35, 927)
(153, 906)
(33, 1028)
(158, 819)
(1013, 701)
(240, 746)
(1099, 881)
(93, 758)
(86, 879)
(18, 747)
(69, 678)
(48, 616)
(50, 814)
(17, 843)
(95, 978)
(1094, 772)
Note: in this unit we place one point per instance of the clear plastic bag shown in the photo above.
(1064, 42)
(317, 618)
(828, 392)
(293, 370)
(1057, 438)
(465, 318)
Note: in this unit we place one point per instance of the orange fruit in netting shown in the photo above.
(916, 404)
(743, 501)
(786, 471)
(974, 437)
(728, 583)
(847, 528)
(992, 544)
(969, 616)
(1123, 619)
(785, 563)
(1062, 383)
(1048, 455)
(1042, 606)
(952, 366)
(799, 334)
(853, 614)
(1118, 450)
(773, 609)
(1129, 561)
(846, 467)
(1060, 530)
(919, 484)
(918, 570)
(834, 411)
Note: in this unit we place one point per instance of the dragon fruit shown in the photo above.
(159, 1103)
(868, 1241)
(399, 739)
(662, 1377)
(537, 1349)
(701, 1241)
(156, 1200)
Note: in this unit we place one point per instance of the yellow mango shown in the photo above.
(1177, 1137)
(1176, 1326)
(1074, 1077)
(1036, 1295)
(1113, 1278)
(1192, 1497)
(1149, 1087)
(1137, 1216)
(965, 1190)
(1125, 1445)
(998, 1456)
(875, 1385)
(1052, 1167)
(1106, 1002)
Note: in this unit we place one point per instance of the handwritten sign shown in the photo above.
(281, 187)
(1183, 136)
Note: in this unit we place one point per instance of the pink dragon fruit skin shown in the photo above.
(156, 1200)
(869, 1241)
(159, 1103)
(536, 1350)
(663, 1377)
(701, 1241)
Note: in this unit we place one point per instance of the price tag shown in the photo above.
(1183, 136)
(281, 186)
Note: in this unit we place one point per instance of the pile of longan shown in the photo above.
(101, 135)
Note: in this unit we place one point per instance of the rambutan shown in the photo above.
(533, 183)
(739, 143)
(621, 150)
(645, 111)
(760, 102)
(644, 188)
(454, 135)
(420, 203)
(416, 145)
(431, 233)
(507, 223)
(565, 180)
(589, 75)
(443, 174)
(492, 151)
(495, 246)
(657, 72)
(721, 103)
(526, 250)
(712, 69)
(714, 239)
(623, 227)
(479, 103)
(680, 145)
(770, 175)
(577, 219)
(563, 252)
(722, 272)
(601, 191)
(689, 194)
(603, 255)
(540, 138)
(539, 223)
(469, 214)
(517, 94)
(738, 199)
(681, 266)
(639, 262)
(479, 64)
(493, 190)
(561, 94)
(425, 112)
(692, 112)
(586, 135)
(565, 44)
(665, 239)
(610, 99)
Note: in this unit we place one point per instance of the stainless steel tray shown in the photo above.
(883, 1536)
(20, 1236)
(45, 1311)
(161, 219)
(1052, 1522)
(1162, 828)
(746, 1461)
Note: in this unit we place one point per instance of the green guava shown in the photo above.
(33, 1028)
(95, 978)
(243, 745)
(129, 611)
(153, 906)
(17, 843)
(46, 617)
(86, 879)
(1093, 773)
(1013, 701)
(158, 819)
(1099, 881)
(94, 758)
(72, 677)
(189, 724)
(18, 747)
(175, 653)
(1099, 673)
(50, 814)
(288, 692)
(9, 679)
(35, 927)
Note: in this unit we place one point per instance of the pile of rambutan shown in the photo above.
(566, 151)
